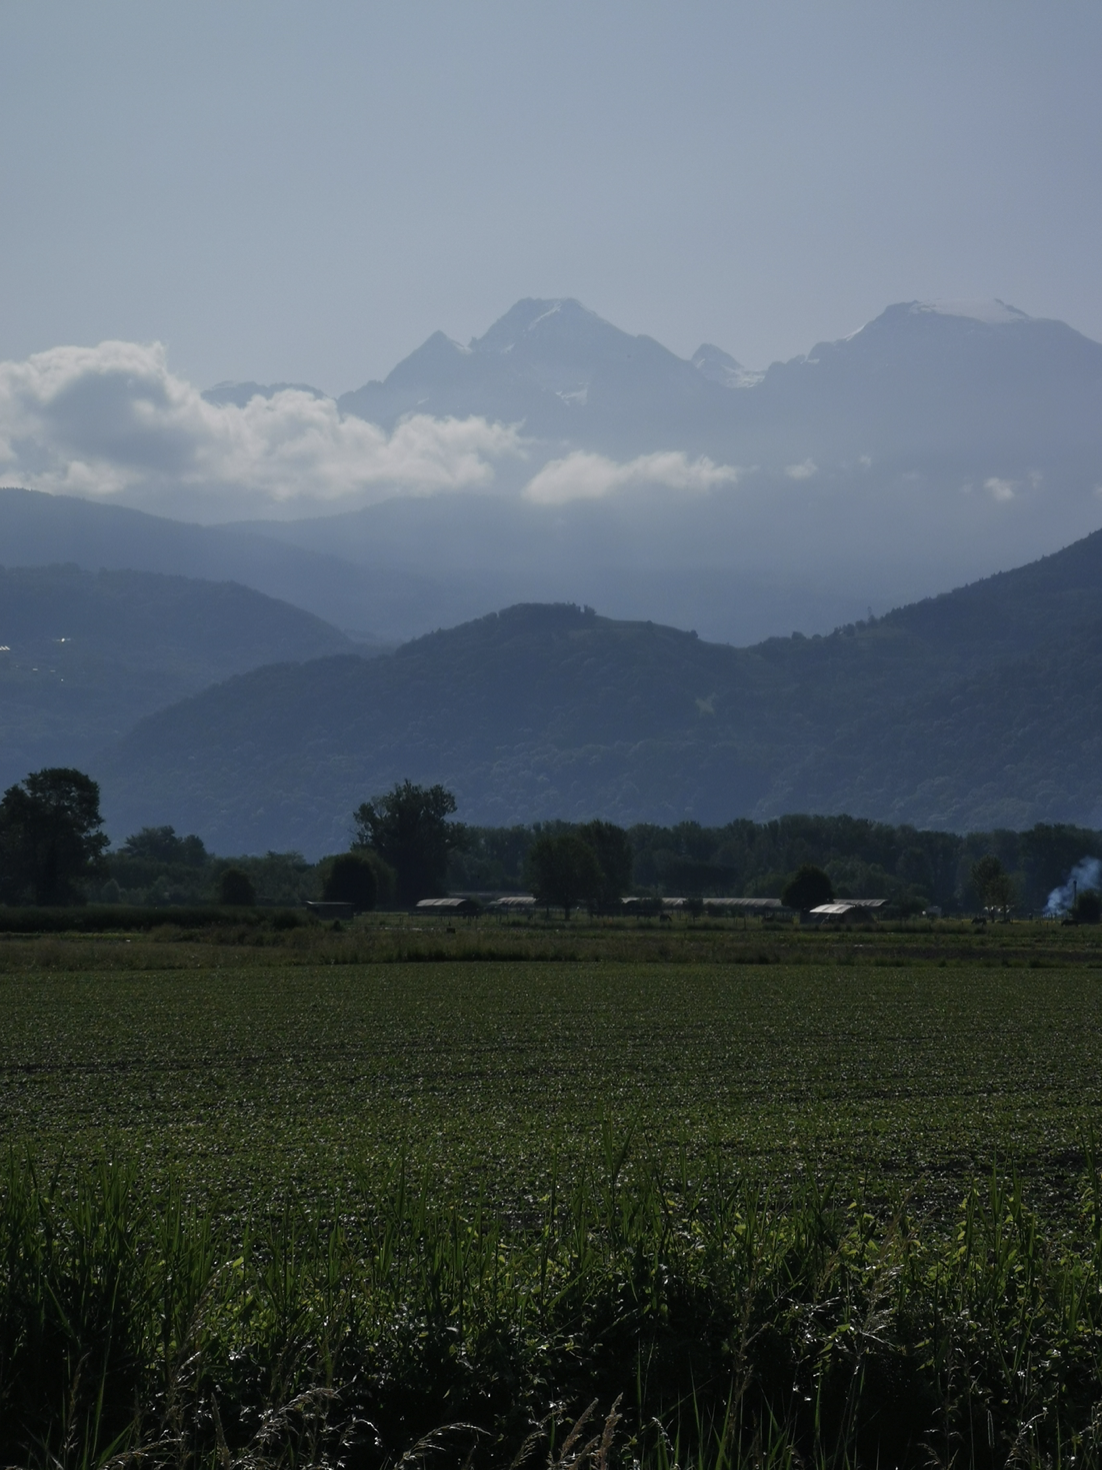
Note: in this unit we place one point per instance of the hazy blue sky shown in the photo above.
(307, 190)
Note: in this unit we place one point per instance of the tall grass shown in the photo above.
(657, 1312)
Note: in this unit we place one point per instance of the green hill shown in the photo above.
(85, 655)
(978, 708)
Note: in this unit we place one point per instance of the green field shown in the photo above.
(604, 1152)
(260, 1073)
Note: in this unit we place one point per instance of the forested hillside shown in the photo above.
(83, 655)
(978, 709)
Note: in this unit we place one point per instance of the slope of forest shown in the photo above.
(976, 709)
(83, 655)
(37, 529)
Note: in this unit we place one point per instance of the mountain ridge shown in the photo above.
(551, 711)
(935, 445)
(84, 655)
(575, 350)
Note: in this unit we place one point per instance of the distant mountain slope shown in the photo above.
(84, 655)
(384, 604)
(974, 708)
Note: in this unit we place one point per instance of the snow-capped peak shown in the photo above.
(992, 313)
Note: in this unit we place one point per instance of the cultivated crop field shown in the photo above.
(782, 1193)
(249, 1072)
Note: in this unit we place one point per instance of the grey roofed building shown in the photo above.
(446, 906)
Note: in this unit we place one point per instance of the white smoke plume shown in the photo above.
(1087, 873)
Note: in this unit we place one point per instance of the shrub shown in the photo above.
(235, 889)
(1088, 907)
(808, 888)
(351, 879)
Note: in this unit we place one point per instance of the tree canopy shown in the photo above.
(50, 837)
(235, 888)
(564, 872)
(808, 888)
(409, 829)
(351, 879)
(163, 845)
(616, 858)
(1087, 908)
(993, 883)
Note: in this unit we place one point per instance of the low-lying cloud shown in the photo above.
(585, 476)
(113, 422)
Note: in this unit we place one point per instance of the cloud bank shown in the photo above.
(113, 422)
(585, 476)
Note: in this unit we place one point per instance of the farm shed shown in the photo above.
(746, 906)
(330, 910)
(448, 907)
(844, 911)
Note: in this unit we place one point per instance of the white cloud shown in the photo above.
(803, 471)
(584, 476)
(113, 420)
(999, 489)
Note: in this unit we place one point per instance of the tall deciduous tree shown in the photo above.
(993, 884)
(613, 851)
(409, 829)
(50, 836)
(563, 872)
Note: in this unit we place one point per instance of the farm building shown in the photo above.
(326, 909)
(448, 907)
(844, 911)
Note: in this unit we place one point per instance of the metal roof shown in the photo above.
(847, 905)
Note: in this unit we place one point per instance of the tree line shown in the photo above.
(912, 869)
(406, 845)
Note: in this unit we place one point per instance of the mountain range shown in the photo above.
(982, 382)
(224, 678)
(934, 446)
(976, 709)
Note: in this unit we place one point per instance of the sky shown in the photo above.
(303, 192)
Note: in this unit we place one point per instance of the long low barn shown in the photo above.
(447, 906)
